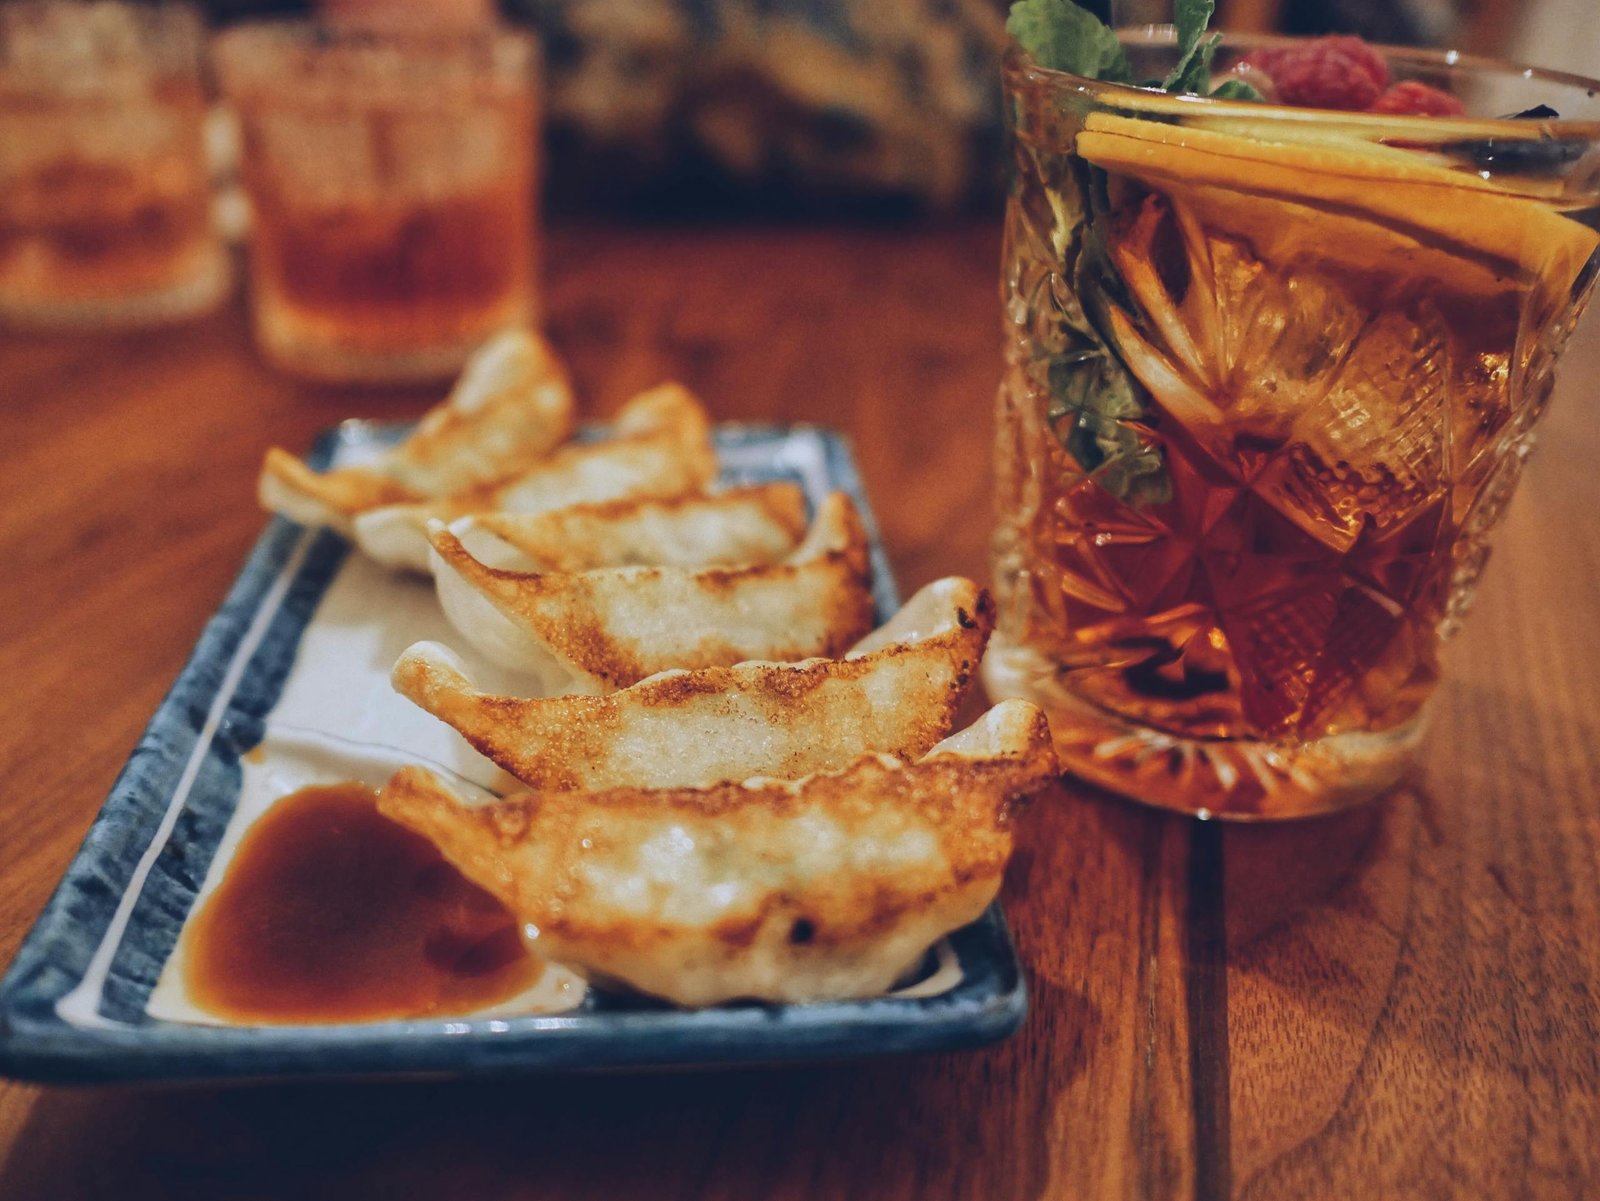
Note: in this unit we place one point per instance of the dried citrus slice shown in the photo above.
(1337, 190)
(1369, 136)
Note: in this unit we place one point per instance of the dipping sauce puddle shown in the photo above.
(329, 912)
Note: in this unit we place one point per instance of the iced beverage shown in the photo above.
(1272, 376)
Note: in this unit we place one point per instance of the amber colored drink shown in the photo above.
(105, 204)
(1273, 375)
(393, 278)
(392, 184)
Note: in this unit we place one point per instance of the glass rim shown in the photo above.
(165, 19)
(1017, 61)
(247, 47)
(169, 41)
(159, 11)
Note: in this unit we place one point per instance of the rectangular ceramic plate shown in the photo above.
(75, 1004)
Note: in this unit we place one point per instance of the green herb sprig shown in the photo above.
(1064, 37)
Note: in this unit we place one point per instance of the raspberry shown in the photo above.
(1332, 72)
(1412, 99)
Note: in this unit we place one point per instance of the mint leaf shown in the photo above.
(1064, 37)
(1191, 18)
(1194, 73)
(1194, 58)
(1236, 89)
(1092, 398)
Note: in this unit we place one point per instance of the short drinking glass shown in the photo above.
(1272, 375)
(392, 179)
(105, 199)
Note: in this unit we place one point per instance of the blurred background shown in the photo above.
(389, 163)
(685, 107)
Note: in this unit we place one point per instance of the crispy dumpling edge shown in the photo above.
(806, 940)
(564, 741)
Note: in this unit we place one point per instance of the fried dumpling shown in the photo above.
(660, 447)
(833, 886)
(511, 405)
(760, 523)
(690, 729)
(597, 631)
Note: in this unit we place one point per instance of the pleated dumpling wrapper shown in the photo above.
(511, 406)
(660, 446)
(597, 631)
(760, 523)
(896, 692)
(829, 887)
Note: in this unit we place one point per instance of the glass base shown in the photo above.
(326, 364)
(316, 349)
(1232, 779)
(192, 297)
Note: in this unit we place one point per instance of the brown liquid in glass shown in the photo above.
(400, 274)
(329, 912)
(78, 224)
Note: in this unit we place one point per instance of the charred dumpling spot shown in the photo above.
(757, 524)
(511, 406)
(659, 447)
(597, 631)
(831, 886)
(896, 692)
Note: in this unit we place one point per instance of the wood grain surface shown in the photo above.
(1403, 1001)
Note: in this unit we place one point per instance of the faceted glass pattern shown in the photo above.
(1268, 391)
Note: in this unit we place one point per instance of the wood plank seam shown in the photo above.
(1206, 999)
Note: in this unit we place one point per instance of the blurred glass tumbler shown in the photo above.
(1272, 375)
(392, 183)
(105, 199)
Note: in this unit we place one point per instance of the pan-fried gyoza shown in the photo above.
(511, 406)
(735, 787)
(760, 523)
(660, 447)
(597, 631)
(896, 693)
(831, 886)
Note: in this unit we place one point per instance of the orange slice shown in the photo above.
(1335, 191)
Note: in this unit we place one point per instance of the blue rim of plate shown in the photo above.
(117, 912)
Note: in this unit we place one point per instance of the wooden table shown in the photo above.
(1400, 1002)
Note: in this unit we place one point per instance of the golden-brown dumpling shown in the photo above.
(597, 631)
(660, 446)
(898, 696)
(511, 406)
(828, 887)
(760, 523)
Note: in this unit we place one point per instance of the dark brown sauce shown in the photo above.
(329, 912)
